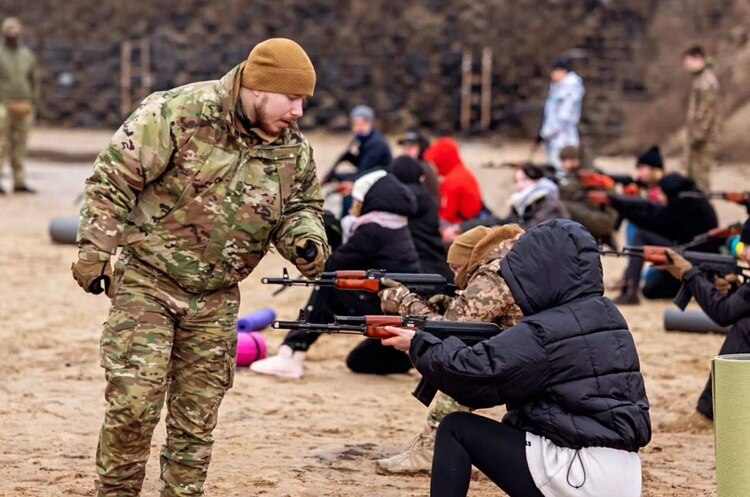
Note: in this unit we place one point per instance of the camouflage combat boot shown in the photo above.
(417, 459)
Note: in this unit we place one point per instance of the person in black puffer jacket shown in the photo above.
(682, 219)
(376, 236)
(425, 224)
(568, 374)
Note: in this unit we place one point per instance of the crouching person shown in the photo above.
(475, 258)
(568, 374)
(375, 236)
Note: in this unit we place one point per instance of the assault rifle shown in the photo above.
(711, 264)
(720, 233)
(369, 281)
(741, 198)
(374, 327)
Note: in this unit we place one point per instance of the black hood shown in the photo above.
(390, 195)
(554, 263)
(674, 183)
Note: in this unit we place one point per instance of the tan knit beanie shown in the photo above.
(279, 65)
(460, 250)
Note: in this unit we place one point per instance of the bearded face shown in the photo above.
(274, 112)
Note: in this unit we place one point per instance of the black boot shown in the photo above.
(22, 188)
(630, 294)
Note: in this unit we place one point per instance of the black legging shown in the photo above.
(496, 449)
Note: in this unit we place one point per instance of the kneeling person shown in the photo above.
(475, 256)
(568, 373)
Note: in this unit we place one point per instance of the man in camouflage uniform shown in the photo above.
(475, 256)
(702, 117)
(194, 187)
(19, 97)
(574, 182)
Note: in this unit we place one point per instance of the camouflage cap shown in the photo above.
(10, 23)
(571, 152)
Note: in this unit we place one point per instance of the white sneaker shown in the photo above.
(285, 364)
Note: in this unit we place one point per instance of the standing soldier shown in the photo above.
(702, 118)
(194, 186)
(19, 96)
(562, 111)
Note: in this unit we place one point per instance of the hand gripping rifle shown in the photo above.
(374, 327)
(369, 281)
(711, 264)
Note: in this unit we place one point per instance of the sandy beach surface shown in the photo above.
(314, 437)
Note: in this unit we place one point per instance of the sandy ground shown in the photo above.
(315, 437)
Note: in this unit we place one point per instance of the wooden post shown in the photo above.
(126, 52)
(146, 80)
(466, 80)
(486, 101)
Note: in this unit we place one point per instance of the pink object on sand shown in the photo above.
(251, 347)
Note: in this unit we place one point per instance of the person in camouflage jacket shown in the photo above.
(702, 117)
(195, 186)
(475, 256)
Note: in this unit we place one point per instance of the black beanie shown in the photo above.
(745, 233)
(407, 170)
(651, 158)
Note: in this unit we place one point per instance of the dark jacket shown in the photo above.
(374, 152)
(680, 220)
(569, 370)
(726, 310)
(372, 246)
(425, 224)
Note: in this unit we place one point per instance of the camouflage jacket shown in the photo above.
(486, 298)
(703, 108)
(18, 74)
(599, 220)
(183, 187)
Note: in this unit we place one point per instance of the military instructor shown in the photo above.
(194, 186)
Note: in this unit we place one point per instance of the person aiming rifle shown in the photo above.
(475, 256)
(722, 299)
(711, 264)
(376, 235)
(568, 374)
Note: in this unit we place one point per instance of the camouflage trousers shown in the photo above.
(160, 340)
(700, 159)
(14, 133)
(444, 405)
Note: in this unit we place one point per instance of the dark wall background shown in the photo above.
(401, 57)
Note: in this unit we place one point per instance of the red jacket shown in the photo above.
(460, 196)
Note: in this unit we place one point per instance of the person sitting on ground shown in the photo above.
(723, 301)
(568, 373)
(414, 144)
(535, 199)
(460, 195)
(375, 236)
(679, 221)
(599, 220)
(425, 224)
(475, 256)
